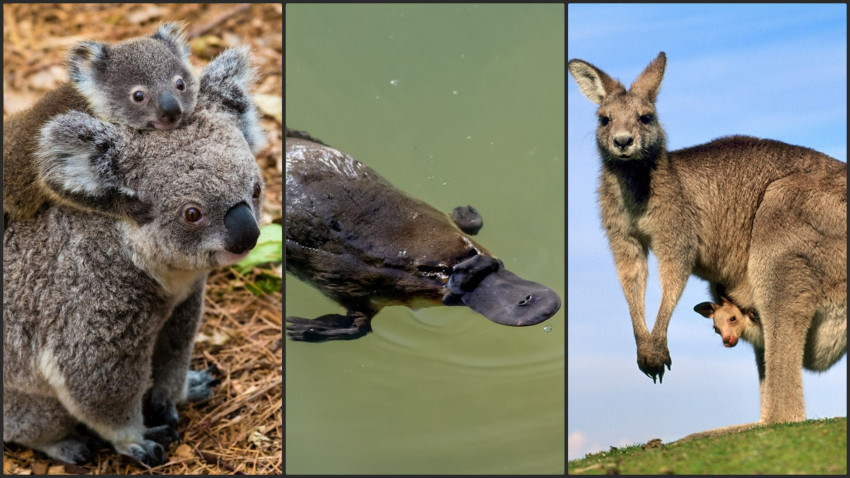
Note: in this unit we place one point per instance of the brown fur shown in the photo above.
(22, 193)
(731, 323)
(766, 219)
(104, 80)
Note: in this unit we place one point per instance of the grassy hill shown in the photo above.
(810, 447)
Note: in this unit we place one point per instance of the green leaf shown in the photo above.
(269, 248)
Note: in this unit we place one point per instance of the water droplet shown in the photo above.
(394, 82)
(547, 329)
(469, 137)
(454, 92)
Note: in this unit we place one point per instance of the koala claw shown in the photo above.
(159, 410)
(148, 453)
(200, 384)
(163, 434)
(70, 450)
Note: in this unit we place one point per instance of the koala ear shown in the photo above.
(171, 33)
(84, 60)
(79, 159)
(224, 83)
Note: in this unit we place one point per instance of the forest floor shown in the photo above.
(240, 429)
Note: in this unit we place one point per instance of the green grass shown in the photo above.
(810, 447)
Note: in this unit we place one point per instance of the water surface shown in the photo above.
(456, 105)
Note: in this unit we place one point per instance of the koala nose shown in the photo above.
(169, 108)
(242, 230)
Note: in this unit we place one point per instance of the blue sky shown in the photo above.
(774, 71)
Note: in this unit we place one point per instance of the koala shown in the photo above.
(101, 304)
(144, 83)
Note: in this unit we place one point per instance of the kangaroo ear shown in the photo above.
(225, 82)
(593, 82)
(78, 159)
(706, 309)
(649, 82)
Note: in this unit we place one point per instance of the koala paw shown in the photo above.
(69, 450)
(200, 384)
(158, 410)
(163, 434)
(148, 453)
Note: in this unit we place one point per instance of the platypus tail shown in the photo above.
(295, 133)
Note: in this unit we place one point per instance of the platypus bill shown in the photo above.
(367, 245)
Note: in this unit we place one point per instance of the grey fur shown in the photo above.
(103, 80)
(765, 219)
(228, 80)
(96, 305)
(109, 75)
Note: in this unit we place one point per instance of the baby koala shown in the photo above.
(733, 323)
(144, 83)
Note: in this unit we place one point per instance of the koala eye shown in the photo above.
(256, 193)
(179, 84)
(646, 119)
(603, 120)
(138, 96)
(193, 214)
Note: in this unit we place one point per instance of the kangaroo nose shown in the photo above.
(623, 141)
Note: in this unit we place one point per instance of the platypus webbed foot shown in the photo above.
(467, 219)
(329, 327)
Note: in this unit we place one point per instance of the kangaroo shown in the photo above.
(779, 245)
(733, 323)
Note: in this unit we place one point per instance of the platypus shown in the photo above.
(367, 245)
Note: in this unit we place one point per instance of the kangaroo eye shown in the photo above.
(138, 96)
(603, 120)
(733, 319)
(179, 84)
(646, 119)
(193, 214)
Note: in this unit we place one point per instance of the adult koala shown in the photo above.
(98, 300)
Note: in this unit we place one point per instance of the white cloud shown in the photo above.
(576, 444)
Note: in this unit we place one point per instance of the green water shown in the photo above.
(456, 105)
